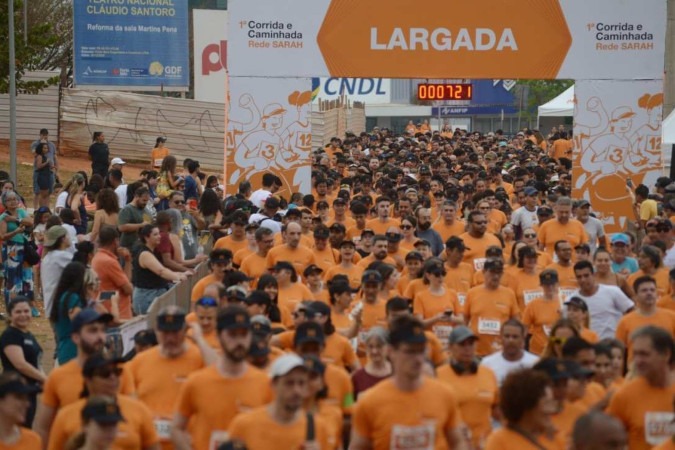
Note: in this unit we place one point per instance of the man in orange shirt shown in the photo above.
(383, 220)
(359, 213)
(450, 225)
(346, 266)
(324, 255)
(298, 255)
(427, 410)
(597, 430)
(561, 228)
(645, 404)
(110, 274)
(237, 240)
(283, 424)
(255, 265)
(645, 313)
(458, 274)
(488, 306)
(582, 352)
(220, 262)
(564, 268)
(477, 240)
(237, 385)
(380, 252)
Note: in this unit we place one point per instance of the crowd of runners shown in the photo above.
(435, 290)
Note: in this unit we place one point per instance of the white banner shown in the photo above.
(527, 39)
(210, 54)
(269, 130)
(617, 134)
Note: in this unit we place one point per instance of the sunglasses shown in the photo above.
(406, 227)
(207, 301)
(178, 202)
(530, 235)
(107, 372)
(558, 340)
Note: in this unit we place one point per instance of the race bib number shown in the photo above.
(442, 332)
(421, 437)
(478, 264)
(163, 428)
(658, 427)
(461, 297)
(218, 437)
(158, 162)
(489, 326)
(528, 296)
(565, 293)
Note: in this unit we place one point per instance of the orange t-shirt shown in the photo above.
(326, 258)
(476, 256)
(238, 257)
(235, 395)
(526, 286)
(446, 231)
(365, 262)
(354, 274)
(646, 412)
(229, 243)
(65, 383)
(112, 278)
(589, 335)
(476, 395)
(254, 266)
(374, 314)
(425, 415)
(564, 423)
(496, 221)
(459, 279)
(198, 289)
(258, 430)
(337, 349)
(661, 318)
(661, 276)
(380, 227)
(506, 439)
(539, 317)
(485, 311)
(666, 302)
(300, 257)
(293, 294)
(135, 432)
(553, 231)
(429, 305)
(158, 379)
(340, 389)
(157, 155)
(28, 440)
(568, 281)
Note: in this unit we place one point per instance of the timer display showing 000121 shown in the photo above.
(426, 91)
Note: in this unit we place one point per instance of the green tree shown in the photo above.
(537, 93)
(46, 40)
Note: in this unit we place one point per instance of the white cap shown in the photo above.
(117, 161)
(284, 364)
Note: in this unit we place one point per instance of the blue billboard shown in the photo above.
(131, 43)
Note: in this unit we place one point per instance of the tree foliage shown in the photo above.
(48, 45)
(537, 93)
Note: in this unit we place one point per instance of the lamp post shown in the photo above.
(12, 94)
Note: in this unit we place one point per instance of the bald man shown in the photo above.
(598, 431)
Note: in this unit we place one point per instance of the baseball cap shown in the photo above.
(339, 200)
(117, 161)
(583, 247)
(548, 277)
(622, 112)
(237, 276)
(233, 318)
(460, 334)
(170, 321)
(367, 231)
(556, 369)
(583, 203)
(576, 370)
(283, 265)
(261, 325)
(577, 302)
(620, 238)
(87, 316)
(96, 361)
(259, 347)
(494, 265)
(393, 236)
(414, 255)
(308, 332)
(311, 269)
(337, 227)
(314, 365)
(347, 242)
(285, 364)
(321, 232)
(18, 386)
(456, 242)
(54, 234)
(320, 308)
(530, 191)
(236, 293)
(103, 410)
(371, 276)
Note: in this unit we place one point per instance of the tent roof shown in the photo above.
(561, 106)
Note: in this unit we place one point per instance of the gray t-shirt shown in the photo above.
(189, 236)
(606, 307)
(433, 238)
(524, 219)
(595, 229)
(130, 214)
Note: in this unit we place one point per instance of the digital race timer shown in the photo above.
(457, 91)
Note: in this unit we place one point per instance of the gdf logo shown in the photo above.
(173, 70)
(214, 58)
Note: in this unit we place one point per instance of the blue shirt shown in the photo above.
(629, 263)
(190, 190)
(65, 347)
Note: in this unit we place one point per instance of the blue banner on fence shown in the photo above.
(472, 110)
(131, 43)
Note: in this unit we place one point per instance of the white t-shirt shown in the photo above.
(258, 197)
(60, 201)
(523, 218)
(51, 267)
(72, 234)
(595, 229)
(121, 192)
(606, 307)
(502, 367)
(669, 260)
(270, 224)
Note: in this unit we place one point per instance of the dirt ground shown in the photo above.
(67, 167)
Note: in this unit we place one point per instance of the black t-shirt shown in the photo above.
(100, 155)
(27, 342)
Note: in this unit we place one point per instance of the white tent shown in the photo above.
(561, 106)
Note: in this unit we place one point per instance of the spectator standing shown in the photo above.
(53, 164)
(112, 276)
(158, 153)
(132, 218)
(17, 273)
(99, 155)
(192, 222)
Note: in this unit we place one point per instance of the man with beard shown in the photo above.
(283, 423)
(424, 231)
(232, 382)
(64, 383)
(477, 240)
(380, 252)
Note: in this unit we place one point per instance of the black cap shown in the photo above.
(548, 277)
(576, 370)
(261, 325)
(544, 211)
(319, 307)
(414, 255)
(259, 347)
(96, 361)
(284, 265)
(322, 232)
(308, 332)
(314, 365)
(337, 227)
(367, 231)
(170, 321)
(583, 247)
(87, 316)
(556, 369)
(233, 318)
(18, 386)
(237, 276)
(371, 276)
(347, 242)
(456, 242)
(103, 410)
(393, 236)
(311, 269)
(577, 302)
(494, 265)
